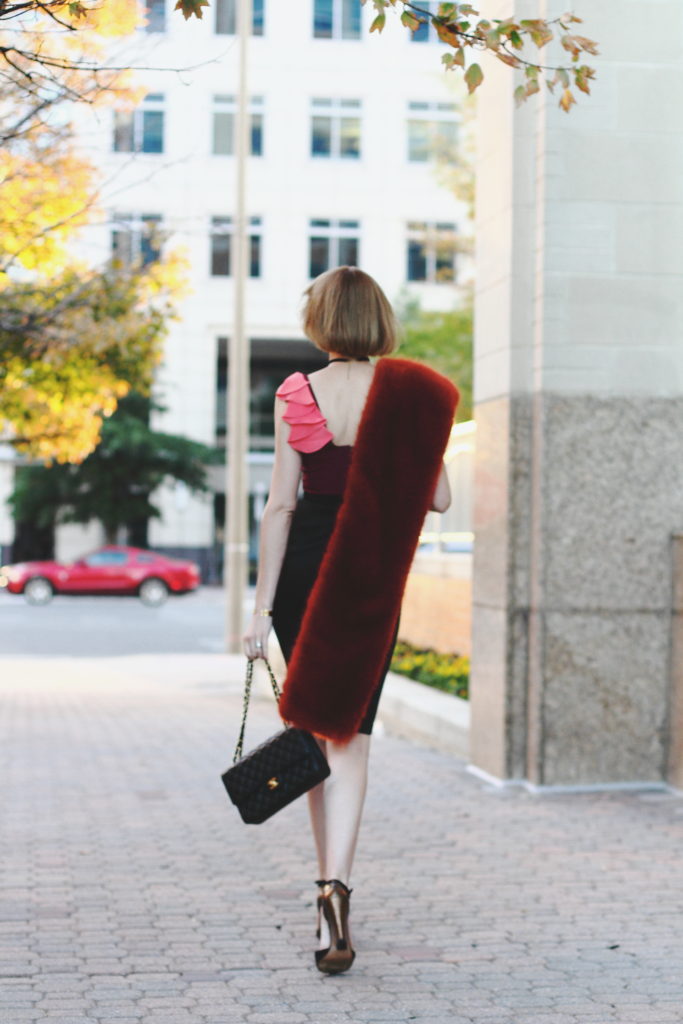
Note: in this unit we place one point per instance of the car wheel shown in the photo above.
(38, 590)
(153, 592)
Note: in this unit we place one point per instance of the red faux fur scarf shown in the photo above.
(352, 610)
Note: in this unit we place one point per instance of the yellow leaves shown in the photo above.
(578, 44)
(83, 341)
(531, 86)
(378, 23)
(46, 195)
(493, 39)
(48, 188)
(447, 35)
(410, 21)
(113, 18)
(72, 340)
(170, 276)
(474, 76)
(459, 57)
(505, 39)
(567, 100)
(538, 29)
(57, 406)
(509, 59)
(582, 77)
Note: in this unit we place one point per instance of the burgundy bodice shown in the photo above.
(325, 465)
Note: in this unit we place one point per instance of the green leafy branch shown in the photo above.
(460, 27)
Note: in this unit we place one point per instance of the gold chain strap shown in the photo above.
(247, 694)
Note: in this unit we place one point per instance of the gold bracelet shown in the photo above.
(264, 611)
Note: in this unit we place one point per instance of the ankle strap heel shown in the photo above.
(334, 902)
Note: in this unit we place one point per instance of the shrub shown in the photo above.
(449, 672)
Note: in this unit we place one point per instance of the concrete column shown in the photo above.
(676, 668)
(579, 409)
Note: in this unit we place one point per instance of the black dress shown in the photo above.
(324, 476)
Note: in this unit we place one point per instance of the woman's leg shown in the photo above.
(316, 809)
(336, 806)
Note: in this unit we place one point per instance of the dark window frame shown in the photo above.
(225, 18)
(431, 253)
(330, 237)
(141, 130)
(337, 19)
(135, 237)
(155, 11)
(222, 228)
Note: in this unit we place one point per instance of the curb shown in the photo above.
(408, 709)
(426, 715)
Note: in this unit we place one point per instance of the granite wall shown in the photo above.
(573, 571)
(579, 409)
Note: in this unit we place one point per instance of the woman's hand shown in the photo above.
(256, 637)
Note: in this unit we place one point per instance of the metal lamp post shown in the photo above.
(237, 483)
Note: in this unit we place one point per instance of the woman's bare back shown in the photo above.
(341, 390)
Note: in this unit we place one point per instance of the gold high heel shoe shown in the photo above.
(320, 882)
(334, 903)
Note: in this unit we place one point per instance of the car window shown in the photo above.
(101, 558)
(145, 558)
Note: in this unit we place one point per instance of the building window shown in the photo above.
(332, 243)
(258, 17)
(155, 12)
(224, 114)
(425, 32)
(226, 17)
(141, 130)
(222, 246)
(431, 252)
(265, 377)
(432, 130)
(136, 238)
(335, 128)
(336, 19)
(221, 390)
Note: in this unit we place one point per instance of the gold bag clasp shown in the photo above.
(273, 783)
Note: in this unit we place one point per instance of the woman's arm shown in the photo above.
(442, 495)
(274, 532)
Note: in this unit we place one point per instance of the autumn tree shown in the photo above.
(72, 346)
(73, 339)
(462, 27)
(116, 482)
(466, 31)
(55, 53)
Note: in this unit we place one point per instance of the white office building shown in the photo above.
(344, 129)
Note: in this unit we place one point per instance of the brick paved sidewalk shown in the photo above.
(131, 892)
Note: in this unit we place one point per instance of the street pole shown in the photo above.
(237, 483)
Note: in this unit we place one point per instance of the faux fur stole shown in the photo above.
(351, 613)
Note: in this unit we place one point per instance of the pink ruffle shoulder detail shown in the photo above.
(308, 428)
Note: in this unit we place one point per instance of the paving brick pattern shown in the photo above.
(131, 892)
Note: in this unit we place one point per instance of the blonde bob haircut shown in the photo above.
(347, 312)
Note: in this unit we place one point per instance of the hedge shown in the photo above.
(449, 672)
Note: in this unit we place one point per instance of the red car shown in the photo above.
(111, 570)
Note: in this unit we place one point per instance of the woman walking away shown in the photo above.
(367, 440)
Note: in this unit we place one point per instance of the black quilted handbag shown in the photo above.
(278, 771)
